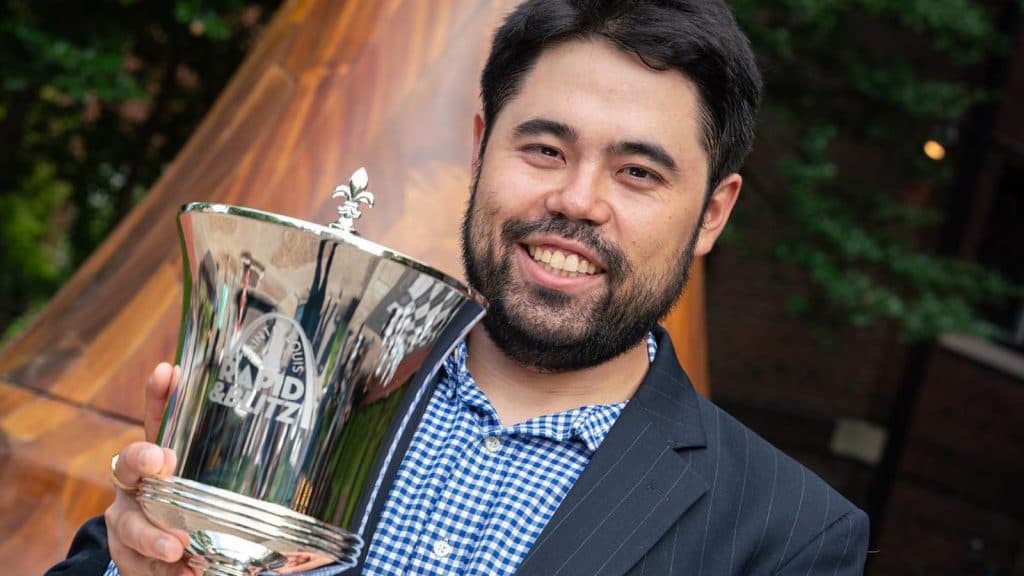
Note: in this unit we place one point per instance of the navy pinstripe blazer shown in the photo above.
(681, 487)
(677, 487)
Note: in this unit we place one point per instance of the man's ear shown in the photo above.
(717, 212)
(478, 135)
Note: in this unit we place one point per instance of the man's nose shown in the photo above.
(582, 196)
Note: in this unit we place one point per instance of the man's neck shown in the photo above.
(519, 393)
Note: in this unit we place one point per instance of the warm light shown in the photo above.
(934, 150)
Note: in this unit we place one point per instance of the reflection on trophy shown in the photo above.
(296, 345)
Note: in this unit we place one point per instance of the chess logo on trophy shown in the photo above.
(270, 372)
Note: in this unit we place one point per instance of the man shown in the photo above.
(562, 437)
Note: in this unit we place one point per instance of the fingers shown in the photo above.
(162, 553)
(137, 546)
(158, 389)
(130, 563)
(132, 530)
(141, 459)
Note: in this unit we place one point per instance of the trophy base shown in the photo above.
(234, 535)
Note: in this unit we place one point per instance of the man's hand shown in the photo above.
(137, 546)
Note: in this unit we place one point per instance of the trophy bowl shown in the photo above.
(296, 344)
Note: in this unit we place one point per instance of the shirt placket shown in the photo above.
(427, 487)
(452, 527)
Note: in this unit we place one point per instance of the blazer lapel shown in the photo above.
(638, 483)
(399, 435)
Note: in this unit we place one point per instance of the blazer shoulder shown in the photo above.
(771, 506)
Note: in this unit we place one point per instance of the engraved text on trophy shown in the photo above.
(269, 373)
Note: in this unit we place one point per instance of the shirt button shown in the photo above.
(442, 549)
(492, 444)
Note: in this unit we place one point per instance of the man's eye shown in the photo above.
(544, 156)
(640, 173)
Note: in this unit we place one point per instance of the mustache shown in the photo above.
(614, 260)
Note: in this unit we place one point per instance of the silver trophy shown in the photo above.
(296, 343)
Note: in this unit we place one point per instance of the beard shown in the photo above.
(552, 331)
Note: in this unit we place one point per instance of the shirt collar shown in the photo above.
(587, 424)
(455, 371)
(455, 363)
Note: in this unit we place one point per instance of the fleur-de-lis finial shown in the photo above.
(354, 193)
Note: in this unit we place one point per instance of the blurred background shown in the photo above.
(864, 312)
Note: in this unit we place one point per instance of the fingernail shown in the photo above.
(150, 459)
(165, 548)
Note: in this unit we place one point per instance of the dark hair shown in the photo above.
(698, 38)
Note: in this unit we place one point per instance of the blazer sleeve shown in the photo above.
(840, 549)
(88, 555)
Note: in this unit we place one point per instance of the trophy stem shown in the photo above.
(218, 554)
(223, 570)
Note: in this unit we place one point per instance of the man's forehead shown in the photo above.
(578, 66)
(596, 89)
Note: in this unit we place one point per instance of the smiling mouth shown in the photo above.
(562, 263)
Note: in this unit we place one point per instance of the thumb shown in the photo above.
(159, 387)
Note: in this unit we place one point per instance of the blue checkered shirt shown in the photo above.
(471, 496)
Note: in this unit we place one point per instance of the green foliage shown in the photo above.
(36, 249)
(202, 20)
(75, 71)
(95, 99)
(33, 249)
(862, 75)
(898, 86)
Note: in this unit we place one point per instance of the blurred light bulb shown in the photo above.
(934, 150)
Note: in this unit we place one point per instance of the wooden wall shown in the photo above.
(331, 86)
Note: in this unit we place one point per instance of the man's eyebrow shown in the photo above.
(541, 126)
(651, 151)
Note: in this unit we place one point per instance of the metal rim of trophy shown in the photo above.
(344, 237)
(247, 519)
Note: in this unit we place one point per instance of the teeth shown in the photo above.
(560, 263)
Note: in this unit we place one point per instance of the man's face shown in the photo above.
(584, 215)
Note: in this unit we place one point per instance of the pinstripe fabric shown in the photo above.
(680, 487)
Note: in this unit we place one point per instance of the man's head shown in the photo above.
(610, 135)
(697, 38)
